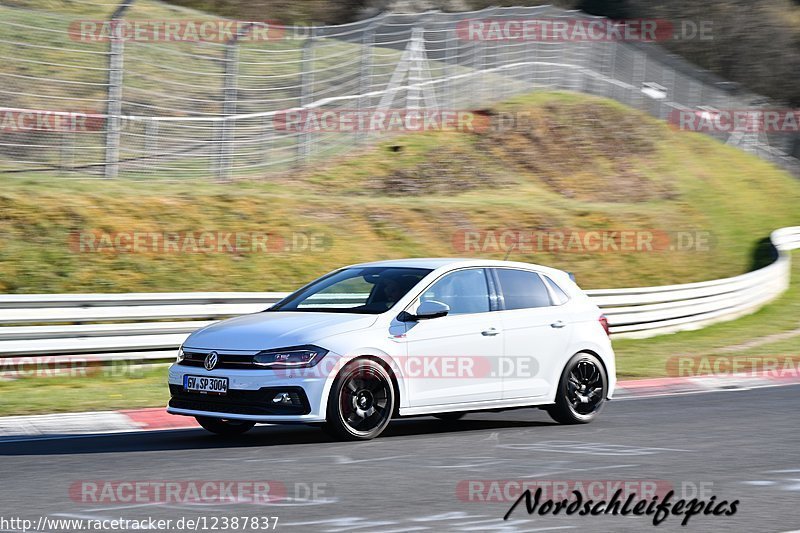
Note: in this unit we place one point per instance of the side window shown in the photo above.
(464, 291)
(522, 289)
(561, 296)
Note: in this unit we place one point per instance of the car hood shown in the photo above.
(266, 330)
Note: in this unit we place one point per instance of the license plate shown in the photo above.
(205, 385)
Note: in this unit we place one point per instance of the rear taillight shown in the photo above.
(604, 322)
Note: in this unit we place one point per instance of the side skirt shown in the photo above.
(494, 405)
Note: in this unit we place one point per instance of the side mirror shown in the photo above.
(430, 309)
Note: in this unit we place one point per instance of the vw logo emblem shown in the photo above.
(211, 361)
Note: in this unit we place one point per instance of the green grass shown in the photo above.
(578, 163)
(90, 392)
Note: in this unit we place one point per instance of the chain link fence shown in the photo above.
(145, 108)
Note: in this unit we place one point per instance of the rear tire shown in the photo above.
(225, 427)
(581, 392)
(361, 401)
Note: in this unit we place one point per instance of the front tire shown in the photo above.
(582, 391)
(361, 401)
(224, 426)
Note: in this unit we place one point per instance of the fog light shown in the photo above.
(282, 397)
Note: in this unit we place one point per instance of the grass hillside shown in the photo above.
(570, 162)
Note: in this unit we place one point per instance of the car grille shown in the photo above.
(226, 360)
(243, 402)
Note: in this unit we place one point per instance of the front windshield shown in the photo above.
(368, 290)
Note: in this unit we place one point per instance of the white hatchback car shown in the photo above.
(376, 341)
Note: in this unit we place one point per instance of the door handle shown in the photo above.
(491, 332)
(557, 324)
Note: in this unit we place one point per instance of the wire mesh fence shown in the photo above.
(83, 98)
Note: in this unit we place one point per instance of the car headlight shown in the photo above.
(294, 357)
(181, 355)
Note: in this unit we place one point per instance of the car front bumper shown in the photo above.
(250, 395)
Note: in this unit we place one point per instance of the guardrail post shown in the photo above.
(114, 92)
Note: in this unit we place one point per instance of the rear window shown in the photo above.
(522, 289)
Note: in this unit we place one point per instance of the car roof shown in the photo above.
(448, 263)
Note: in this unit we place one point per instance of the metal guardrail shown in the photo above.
(106, 327)
(647, 311)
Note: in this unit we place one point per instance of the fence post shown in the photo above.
(478, 65)
(365, 76)
(668, 81)
(587, 63)
(695, 92)
(229, 96)
(151, 138)
(532, 57)
(268, 132)
(450, 67)
(415, 66)
(306, 93)
(639, 74)
(612, 68)
(114, 92)
(66, 153)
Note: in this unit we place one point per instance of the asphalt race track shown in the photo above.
(735, 445)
